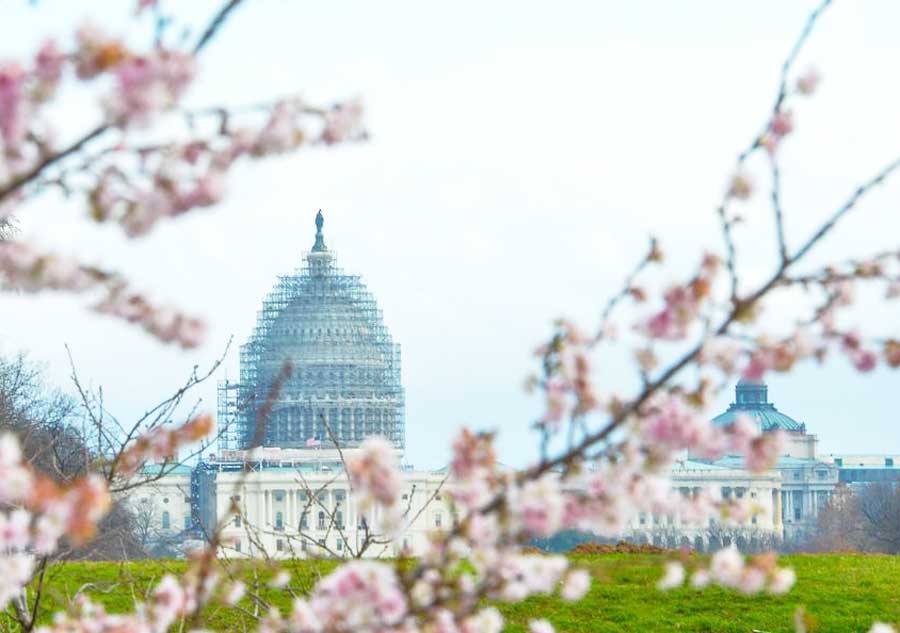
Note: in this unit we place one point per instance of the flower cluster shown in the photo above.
(164, 323)
(39, 513)
(682, 305)
(567, 385)
(375, 480)
(25, 268)
(161, 444)
(729, 569)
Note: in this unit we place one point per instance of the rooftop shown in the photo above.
(752, 399)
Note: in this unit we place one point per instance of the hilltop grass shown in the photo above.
(840, 592)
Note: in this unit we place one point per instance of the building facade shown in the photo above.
(323, 367)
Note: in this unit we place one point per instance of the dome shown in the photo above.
(344, 383)
(752, 399)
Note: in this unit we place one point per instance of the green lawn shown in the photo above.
(841, 592)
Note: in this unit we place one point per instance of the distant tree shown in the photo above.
(839, 526)
(879, 511)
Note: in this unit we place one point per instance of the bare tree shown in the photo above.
(879, 509)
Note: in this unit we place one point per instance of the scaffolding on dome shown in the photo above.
(345, 368)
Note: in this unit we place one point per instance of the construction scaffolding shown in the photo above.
(345, 368)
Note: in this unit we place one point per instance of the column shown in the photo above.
(777, 498)
(289, 509)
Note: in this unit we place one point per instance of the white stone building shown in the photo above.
(288, 496)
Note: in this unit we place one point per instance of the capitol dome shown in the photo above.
(752, 399)
(344, 382)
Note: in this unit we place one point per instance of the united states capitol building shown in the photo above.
(321, 372)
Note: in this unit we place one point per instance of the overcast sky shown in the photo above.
(521, 154)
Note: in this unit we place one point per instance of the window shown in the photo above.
(339, 519)
(822, 474)
(165, 500)
(797, 514)
(322, 542)
(304, 521)
(237, 546)
(237, 520)
(165, 520)
(340, 544)
(405, 496)
(797, 474)
(321, 520)
(362, 523)
(279, 544)
(279, 495)
(339, 495)
(279, 521)
(187, 499)
(303, 545)
(187, 522)
(437, 519)
(889, 462)
(643, 518)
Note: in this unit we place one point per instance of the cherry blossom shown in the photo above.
(359, 596)
(576, 585)
(808, 81)
(673, 577)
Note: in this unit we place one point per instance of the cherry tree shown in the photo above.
(605, 456)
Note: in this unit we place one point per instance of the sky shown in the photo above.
(521, 154)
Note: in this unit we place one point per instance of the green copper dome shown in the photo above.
(752, 399)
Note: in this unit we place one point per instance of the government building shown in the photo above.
(320, 373)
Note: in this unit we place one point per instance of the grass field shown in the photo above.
(841, 592)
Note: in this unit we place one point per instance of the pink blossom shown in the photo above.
(48, 64)
(280, 133)
(808, 81)
(782, 123)
(280, 580)
(764, 451)
(359, 596)
(373, 473)
(672, 578)
(96, 51)
(15, 572)
(671, 424)
(15, 530)
(343, 122)
(538, 505)
(881, 627)
(760, 362)
(782, 581)
(208, 191)
(864, 360)
(14, 107)
(576, 585)
(540, 626)
(487, 620)
(751, 581)
(741, 187)
(700, 579)
(312, 442)
(473, 455)
(726, 566)
(150, 84)
(234, 593)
